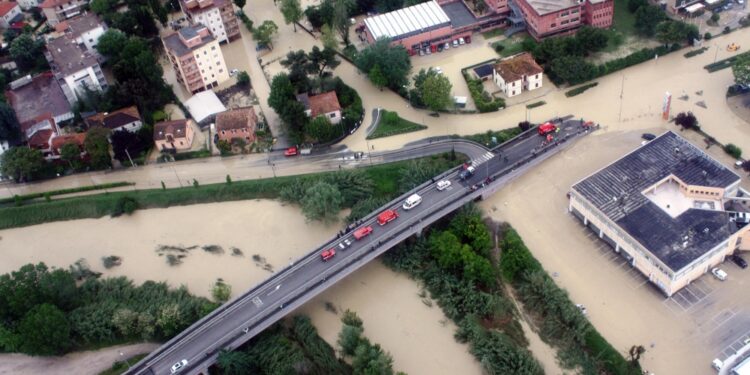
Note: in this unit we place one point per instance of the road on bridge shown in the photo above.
(247, 315)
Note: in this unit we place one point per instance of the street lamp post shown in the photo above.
(123, 357)
(369, 155)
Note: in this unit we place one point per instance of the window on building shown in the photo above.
(536, 85)
(213, 48)
(333, 115)
(553, 25)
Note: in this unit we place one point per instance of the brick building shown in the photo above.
(237, 123)
(546, 18)
(196, 58)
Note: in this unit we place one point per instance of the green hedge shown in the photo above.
(192, 155)
(536, 104)
(723, 64)
(695, 52)
(579, 90)
(483, 100)
(53, 193)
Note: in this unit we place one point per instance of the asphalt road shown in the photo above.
(240, 319)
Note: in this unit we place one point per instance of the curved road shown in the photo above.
(247, 315)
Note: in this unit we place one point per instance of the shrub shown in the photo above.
(499, 47)
(733, 150)
(707, 36)
(726, 30)
(580, 89)
(111, 261)
(124, 205)
(483, 100)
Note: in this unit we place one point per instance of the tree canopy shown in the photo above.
(436, 92)
(97, 146)
(741, 70)
(322, 201)
(27, 52)
(44, 330)
(647, 17)
(292, 11)
(21, 163)
(393, 61)
(264, 33)
(10, 130)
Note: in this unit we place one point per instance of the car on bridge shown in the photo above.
(387, 216)
(362, 232)
(546, 128)
(442, 185)
(345, 243)
(179, 365)
(412, 201)
(466, 173)
(328, 254)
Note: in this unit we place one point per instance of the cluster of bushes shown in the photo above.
(482, 99)
(726, 63)
(291, 348)
(366, 357)
(46, 312)
(536, 104)
(562, 324)
(580, 90)
(323, 198)
(454, 265)
(388, 181)
(246, 20)
(697, 51)
(494, 137)
(733, 150)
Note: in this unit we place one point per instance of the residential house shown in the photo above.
(10, 12)
(517, 73)
(59, 141)
(217, 15)
(28, 4)
(237, 123)
(39, 123)
(75, 67)
(85, 30)
(325, 104)
(60, 10)
(176, 135)
(196, 58)
(128, 119)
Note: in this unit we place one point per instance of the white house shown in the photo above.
(517, 73)
(9, 12)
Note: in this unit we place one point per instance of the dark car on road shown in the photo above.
(648, 136)
(738, 260)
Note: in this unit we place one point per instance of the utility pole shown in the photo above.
(622, 90)
(131, 160)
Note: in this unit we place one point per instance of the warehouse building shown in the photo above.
(669, 208)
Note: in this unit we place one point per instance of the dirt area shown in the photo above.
(630, 45)
(82, 363)
(236, 97)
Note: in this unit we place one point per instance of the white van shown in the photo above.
(412, 201)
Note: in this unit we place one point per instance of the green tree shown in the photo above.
(341, 12)
(322, 59)
(9, 340)
(633, 5)
(394, 62)
(221, 291)
(21, 163)
(9, 127)
(69, 153)
(26, 51)
(282, 91)
(591, 39)
(322, 201)
(328, 37)
(686, 120)
(377, 77)
(646, 19)
(370, 359)
(436, 92)
(126, 322)
(447, 249)
(349, 339)
(240, 4)
(264, 33)
(298, 65)
(44, 331)
(292, 12)
(669, 32)
(243, 79)
(234, 363)
(741, 70)
(321, 130)
(573, 70)
(111, 43)
(170, 320)
(97, 146)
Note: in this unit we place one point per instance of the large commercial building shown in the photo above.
(546, 18)
(217, 15)
(427, 25)
(669, 208)
(196, 58)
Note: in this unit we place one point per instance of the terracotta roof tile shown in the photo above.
(175, 127)
(241, 118)
(324, 103)
(515, 67)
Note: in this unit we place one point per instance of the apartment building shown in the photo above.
(546, 18)
(671, 210)
(85, 30)
(57, 11)
(217, 15)
(74, 67)
(196, 58)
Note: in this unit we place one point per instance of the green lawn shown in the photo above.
(513, 45)
(493, 33)
(120, 367)
(623, 26)
(391, 124)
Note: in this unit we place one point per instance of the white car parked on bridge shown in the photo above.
(412, 201)
(179, 365)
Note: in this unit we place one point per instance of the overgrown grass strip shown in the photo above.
(579, 90)
(53, 193)
(392, 124)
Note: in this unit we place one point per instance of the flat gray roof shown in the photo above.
(68, 57)
(407, 21)
(616, 190)
(548, 6)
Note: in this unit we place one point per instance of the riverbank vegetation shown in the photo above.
(470, 279)
(47, 311)
(384, 181)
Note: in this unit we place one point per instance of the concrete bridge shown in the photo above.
(237, 321)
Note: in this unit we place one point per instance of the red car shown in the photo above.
(546, 128)
(387, 216)
(291, 151)
(362, 232)
(328, 254)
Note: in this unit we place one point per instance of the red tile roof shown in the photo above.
(175, 128)
(6, 6)
(324, 103)
(116, 119)
(515, 67)
(241, 118)
(52, 3)
(60, 140)
(41, 139)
